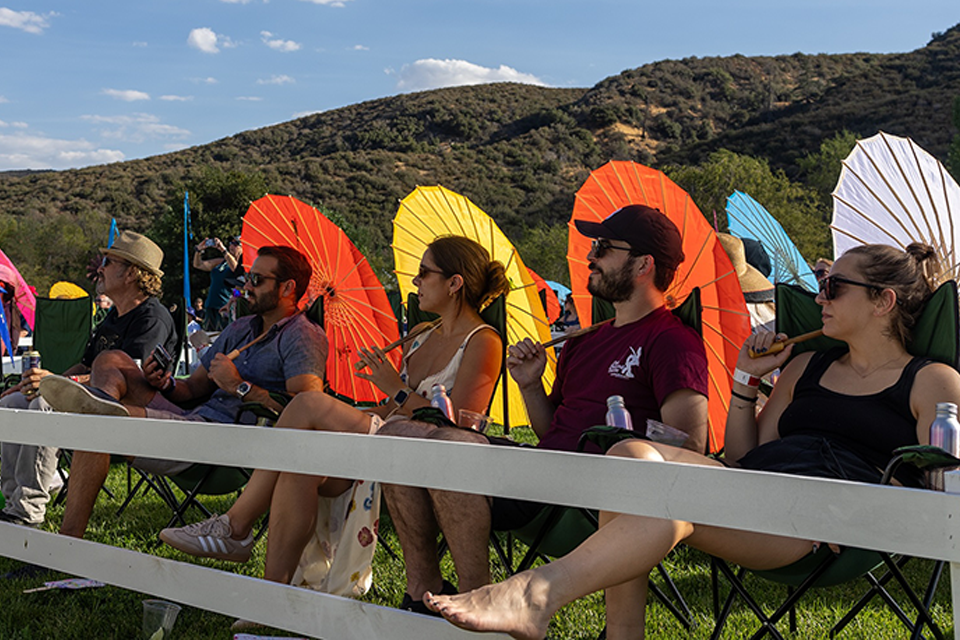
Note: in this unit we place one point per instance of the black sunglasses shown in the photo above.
(601, 248)
(423, 272)
(820, 274)
(108, 259)
(828, 286)
(256, 279)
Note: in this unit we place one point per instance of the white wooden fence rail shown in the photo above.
(914, 522)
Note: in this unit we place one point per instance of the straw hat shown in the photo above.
(137, 249)
(756, 288)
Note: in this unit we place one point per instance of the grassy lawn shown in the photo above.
(113, 613)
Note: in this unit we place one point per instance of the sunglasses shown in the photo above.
(821, 273)
(828, 286)
(256, 279)
(601, 248)
(107, 260)
(423, 272)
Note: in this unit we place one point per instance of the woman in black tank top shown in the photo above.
(836, 414)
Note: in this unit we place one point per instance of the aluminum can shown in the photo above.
(30, 360)
(944, 433)
(440, 400)
(617, 414)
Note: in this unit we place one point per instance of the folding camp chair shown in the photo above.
(935, 336)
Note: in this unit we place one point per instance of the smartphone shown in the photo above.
(161, 357)
(209, 242)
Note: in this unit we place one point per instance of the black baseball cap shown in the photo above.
(645, 229)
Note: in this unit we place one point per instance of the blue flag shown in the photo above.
(187, 237)
(113, 232)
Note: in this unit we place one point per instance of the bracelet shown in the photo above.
(743, 397)
(746, 379)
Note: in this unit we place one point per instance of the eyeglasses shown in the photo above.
(828, 286)
(256, 279)
(425, 271)
(600, 248)
(820, 273)
(107, 260)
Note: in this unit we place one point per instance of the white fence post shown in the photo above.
(951, 481)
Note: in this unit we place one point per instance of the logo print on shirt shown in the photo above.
(625, 370)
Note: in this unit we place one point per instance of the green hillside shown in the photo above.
(519, 152)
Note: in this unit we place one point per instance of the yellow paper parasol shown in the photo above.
(430, 212)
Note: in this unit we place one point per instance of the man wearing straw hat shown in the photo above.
(276, 349)
(130, 275)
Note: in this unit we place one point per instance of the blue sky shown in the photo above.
(84, 83)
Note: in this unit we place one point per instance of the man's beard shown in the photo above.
(263, 302)
(616, 287)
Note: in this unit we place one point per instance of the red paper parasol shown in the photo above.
(26, 301)
(548, 295)
(357, 312)
(726, 323)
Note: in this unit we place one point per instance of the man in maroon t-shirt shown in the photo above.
(646, 355)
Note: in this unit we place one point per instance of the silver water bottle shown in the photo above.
(440, 400)
(944, 433)
(617, 414)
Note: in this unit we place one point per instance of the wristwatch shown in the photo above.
(402, 396)
(243, 389)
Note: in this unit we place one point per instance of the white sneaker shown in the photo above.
(63, 394)
(209, 539)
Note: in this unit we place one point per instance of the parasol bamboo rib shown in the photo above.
(869, 221)
(236, 352)
(880, 201)
(576, 334)
(929, 193)
(777, 347)
(893, 191)
(913, 192)
(360, 366)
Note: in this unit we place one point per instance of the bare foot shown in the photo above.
(517, 606)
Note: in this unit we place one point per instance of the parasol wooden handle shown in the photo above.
(777, 347)
(360, 366)
(236, 352)
(577, 333)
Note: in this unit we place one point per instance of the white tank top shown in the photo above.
(446, 376)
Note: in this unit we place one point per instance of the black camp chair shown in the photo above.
(934, 336)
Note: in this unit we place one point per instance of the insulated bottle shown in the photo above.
(440, 400)
(617, 414)
(944, 433)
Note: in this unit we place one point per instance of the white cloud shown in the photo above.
(37, 152)
(284, 79)
(136, 128)
(140, 43)
(277, 44)
(304, 114)
(360, 47)
(434, 74)
(207, 80)
(176, 98)
(15, 125)
(127, 95)
(25, 20)
(237, 1)
(329, 3)
(3, 100)
(250, 98)
(204, 39)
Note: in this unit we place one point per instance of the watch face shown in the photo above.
(243, 389)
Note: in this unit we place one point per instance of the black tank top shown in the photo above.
(871, 426)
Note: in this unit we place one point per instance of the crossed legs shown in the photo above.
(420, 514)
(618, 558)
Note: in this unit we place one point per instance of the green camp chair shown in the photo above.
(61, 331)
(935, 336)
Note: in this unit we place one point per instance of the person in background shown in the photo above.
(226, 268)
(8, 295)
(568, 321)
(758, 291)
(198, 311)
(822, 268)
(102, 305)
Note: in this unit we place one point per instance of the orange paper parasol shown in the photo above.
(356, 310)
(725, 322)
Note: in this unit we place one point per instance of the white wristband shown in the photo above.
(745, 378)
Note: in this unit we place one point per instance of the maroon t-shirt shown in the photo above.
(644, 361)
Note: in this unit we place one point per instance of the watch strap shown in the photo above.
(401, 396)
